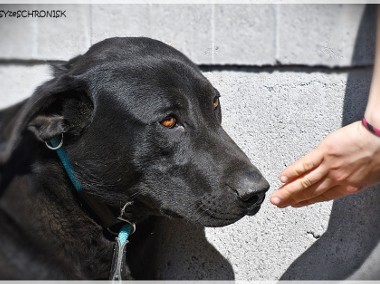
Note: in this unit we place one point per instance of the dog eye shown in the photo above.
(216, 102)
(169, 121)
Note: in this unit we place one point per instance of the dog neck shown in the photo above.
(40, 207)
(102, 212)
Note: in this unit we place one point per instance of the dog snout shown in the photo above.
(251, 188)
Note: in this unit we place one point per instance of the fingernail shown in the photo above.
(283, 179)
(275, 201)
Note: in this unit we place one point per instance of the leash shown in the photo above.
(115, 225)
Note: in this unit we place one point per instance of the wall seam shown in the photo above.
(221, 67)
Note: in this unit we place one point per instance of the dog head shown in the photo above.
(142, 124)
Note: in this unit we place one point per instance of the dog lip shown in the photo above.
(252, 206)
(254, 210)
(261, 200)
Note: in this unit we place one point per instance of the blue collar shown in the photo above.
(103, 213)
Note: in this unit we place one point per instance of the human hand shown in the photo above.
(345, 162)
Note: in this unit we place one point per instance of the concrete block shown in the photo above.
(65, 37)
(119, 20)
(44, 38)
(185, 27)
(18, 37)
(18, 82)
(244, 34)
(331, 35)
(220, 34)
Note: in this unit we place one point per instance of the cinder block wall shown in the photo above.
(288, 76)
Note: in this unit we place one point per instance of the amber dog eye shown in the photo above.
(169, 121)
(216, 102)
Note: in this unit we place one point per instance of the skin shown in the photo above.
(345, 162)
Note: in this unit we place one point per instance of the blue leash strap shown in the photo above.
(55, 142)
(119, 269)
(125, 231)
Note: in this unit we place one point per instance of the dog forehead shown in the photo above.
(155, 95)
(157, 82)
(143, 74)
(149, 94)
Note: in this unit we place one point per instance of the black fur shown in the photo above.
(109, 103)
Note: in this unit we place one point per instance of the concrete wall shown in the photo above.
(288, 75)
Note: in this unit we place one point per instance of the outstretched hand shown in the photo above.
(345, 162)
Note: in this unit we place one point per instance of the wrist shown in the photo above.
(373, 129)
(369, 142)
(372, 113)
(373, 118)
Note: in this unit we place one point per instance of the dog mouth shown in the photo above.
(219, 218)
(211, 216)
(214, 217)
(254, 210)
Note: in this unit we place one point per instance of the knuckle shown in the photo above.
(332, 150)
(297, 171)
(306, 182)
(308, 164)
(305, 165)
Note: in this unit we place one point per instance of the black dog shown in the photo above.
(141, 127)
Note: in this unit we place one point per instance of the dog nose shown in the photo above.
(251, 188)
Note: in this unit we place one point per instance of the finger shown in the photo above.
(307, 194)
(325, 184)
(302, 188)
(302, 166)
(334, 193)
(319, 198)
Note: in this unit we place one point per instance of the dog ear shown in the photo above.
(69, 112)
(61, 105)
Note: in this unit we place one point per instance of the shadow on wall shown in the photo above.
(354, 226)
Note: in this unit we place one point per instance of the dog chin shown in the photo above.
(217, 222)
(225, 222)
(209, 220)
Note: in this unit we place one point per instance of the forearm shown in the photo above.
(372, 112)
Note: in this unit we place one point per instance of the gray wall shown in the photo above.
(288, 75)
